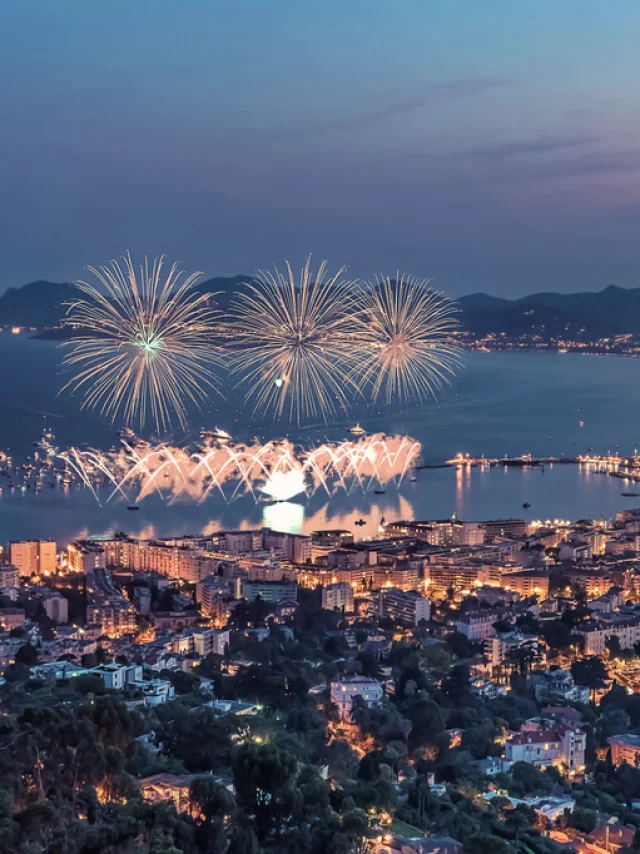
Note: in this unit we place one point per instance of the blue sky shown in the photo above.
(490, 145)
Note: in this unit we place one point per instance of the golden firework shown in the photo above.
(145, 347)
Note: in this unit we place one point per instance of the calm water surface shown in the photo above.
(501, 404)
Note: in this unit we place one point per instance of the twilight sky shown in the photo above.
(490, 144)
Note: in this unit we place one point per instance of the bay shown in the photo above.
(501, 403)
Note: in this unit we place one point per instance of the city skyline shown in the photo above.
(488, 150)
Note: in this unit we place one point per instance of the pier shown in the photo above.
(611, 464)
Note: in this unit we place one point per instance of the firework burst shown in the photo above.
(294, 346)
(144, 351)
(404, 332)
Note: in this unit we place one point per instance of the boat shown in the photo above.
(216, 435)
(526, 505)
(630, 494)
(133, 507)
(413, 478)
(357, 430)
(379, 491)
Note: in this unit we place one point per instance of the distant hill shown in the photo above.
(581, 315)
(39, 304)
(222, 289)
(44, 304)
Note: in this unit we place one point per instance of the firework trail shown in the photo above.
(294, 347)
(405, 349)
(277, 469)
(145, 346)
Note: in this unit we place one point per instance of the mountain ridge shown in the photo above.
(586, 314)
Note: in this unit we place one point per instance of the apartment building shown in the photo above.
(477, 625)
(269, 591)
(403, 606)
(505, 647)
(85, 556)
(625, 748)
(33, 557)
(527, 582)
(338, 596)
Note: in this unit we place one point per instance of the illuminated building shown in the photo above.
(625, 748)
(596, 632)
(202, 641)
(594, 582)
(344, 692)
(405, 575)
(476, 625)
(527, 582)
(85, 556)
(504, 647)
(443, 532)
(332, 539)
(11, 618)
(167, 787)
(338, 596)
(106, 606)
(242, 542)
(404, 606)
(459, 577)
(33, 557)
(295, 547)
(509, 528)
(269, 591)
(562, 744)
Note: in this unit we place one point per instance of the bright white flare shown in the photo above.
(146, 347)
(285, 485)
(404, 333)
(274, 468)
(293, 346)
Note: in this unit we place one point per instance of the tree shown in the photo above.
(481, 843)
(209, 798)
(590, 672)
(264, 782)
(243, 840)
(27, 654)
(427, 723)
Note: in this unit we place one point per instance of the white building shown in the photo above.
(56, 607)
(242, 542)
(404, 606)
(502, 648)
(344, 692)
(157, 691)
(201, 641)
(487, 690)
(117, 676)
(558, 685)
(9, 576)
(338, 596)
(477, 625)
(595, 634)
(562, 744)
